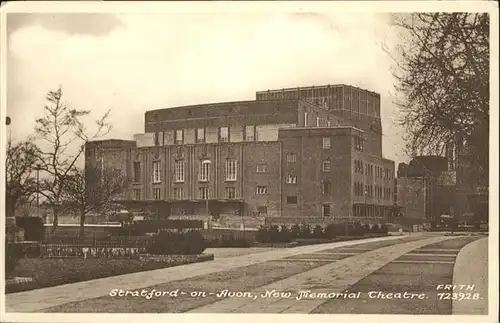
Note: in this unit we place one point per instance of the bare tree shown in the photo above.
(93, 190)
(442, 73)
(20, 165)
(63, 135)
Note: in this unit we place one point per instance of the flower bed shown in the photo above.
(53, 272)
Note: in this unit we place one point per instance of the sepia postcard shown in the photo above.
(184, 161)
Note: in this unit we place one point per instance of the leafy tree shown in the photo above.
(93, 190)
(20, 165)
(62, 136)
(442, 74)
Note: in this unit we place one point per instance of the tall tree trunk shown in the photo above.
(82, 226)
(55, 219)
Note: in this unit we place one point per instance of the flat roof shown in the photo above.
(208, 105)
(311, 87)
(312, 128)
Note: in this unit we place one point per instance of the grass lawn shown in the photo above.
(52, 272)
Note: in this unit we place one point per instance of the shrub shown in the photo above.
(33, 227)
(12, 254)
(285, 234)
(177, 243)
(376, 228)
(330, 231)
(295, 231)
(366, 228)
(384, 229)
(318, 232)
(262, 234)
(274, 233)
(305, 231)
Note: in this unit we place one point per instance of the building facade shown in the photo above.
(268, 157)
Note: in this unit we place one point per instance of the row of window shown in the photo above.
(179, 171)
(371, 170)
(372, 191)
(223, 135)
(178, 193)
(203, 173)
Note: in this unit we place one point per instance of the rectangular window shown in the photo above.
(291, 200)
(261, 190)
(156, 139)
(291, 158)
(358, 142)
(137, 194)
(157, 193)
(231, 171)
(290, 179)
(137, 172)
(326, 210)
(328, 124)
(223, 134)
(249, 133)
(179, 138)
(156, 172)
(326, 188)
(203, 193)
(178, 193)
(305, 119)
(200, 135)
(204, 174)
(326, 165)
(230, 193)
(179, 171)
(326, 143)
(262, 210)
(262, 168)
(317, 122)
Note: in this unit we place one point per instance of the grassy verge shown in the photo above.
(53, 272)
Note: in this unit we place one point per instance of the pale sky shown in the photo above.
(137, 62)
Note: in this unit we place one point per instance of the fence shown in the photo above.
(86, 251)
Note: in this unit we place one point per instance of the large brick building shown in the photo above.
(275, 157)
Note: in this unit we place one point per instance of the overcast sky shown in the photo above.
(133, 63)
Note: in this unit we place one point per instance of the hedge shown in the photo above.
(304, 231)
(177, 243)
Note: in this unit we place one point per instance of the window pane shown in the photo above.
(291, 200)
(224, 134)
(200, 135)
(249, 133)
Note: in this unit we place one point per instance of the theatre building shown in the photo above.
(273, 157)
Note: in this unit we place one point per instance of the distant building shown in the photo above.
(286, 157)
(439, 190)
(411, 198)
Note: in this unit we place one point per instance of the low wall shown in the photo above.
(322, 221)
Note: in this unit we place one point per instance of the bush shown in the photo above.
(366, 228)
(177, 243)
(318, 232)
(12, 254)
(376, 228)
(274, 234)
(229, 241)
(262, 234)
(33, 227)
(285, 234)
(384, 229)
(305, 231)
(330, 231)
(295, 231)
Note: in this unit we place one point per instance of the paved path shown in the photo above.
(334, 277)
(471, 268)
(36, 300)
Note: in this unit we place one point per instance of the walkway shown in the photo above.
(36, 300)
